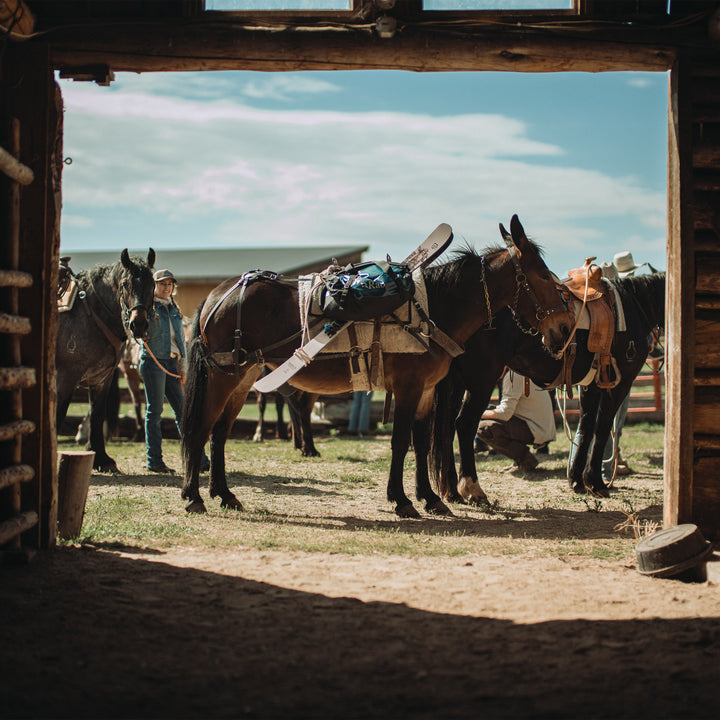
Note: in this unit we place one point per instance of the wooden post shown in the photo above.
(679, 304)
(74, 471)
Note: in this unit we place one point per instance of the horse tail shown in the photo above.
(448, 396)
(196, 382)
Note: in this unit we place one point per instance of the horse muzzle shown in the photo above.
(138, 323)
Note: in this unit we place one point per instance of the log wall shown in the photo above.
(692, 440)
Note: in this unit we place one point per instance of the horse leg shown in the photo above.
(112, 407)
(218, 438)
(98, 403)
(133, 380)
(405, 407)
(300, 406)
(421, 444)
(205, 402)
(589, 405)
(260, 428)
(281, 429)
(466, 425)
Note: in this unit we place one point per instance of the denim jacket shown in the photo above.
(158, 337)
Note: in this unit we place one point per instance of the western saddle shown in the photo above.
(586, 284)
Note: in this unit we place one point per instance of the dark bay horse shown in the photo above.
(112, 305)
(262, 313)
(464, 394)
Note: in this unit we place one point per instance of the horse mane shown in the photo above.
(460, 273)
(646, 294)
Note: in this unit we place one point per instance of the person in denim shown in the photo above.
(360, 413)
(162, 368)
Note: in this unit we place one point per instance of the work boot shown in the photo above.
(527, 462)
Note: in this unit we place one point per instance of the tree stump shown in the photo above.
(74, 471)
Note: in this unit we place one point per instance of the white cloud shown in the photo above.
(385, 179)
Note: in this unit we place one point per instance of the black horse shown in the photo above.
(463, 395)
(461, 295)
(113, 303)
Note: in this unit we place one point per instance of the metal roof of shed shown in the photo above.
(214, 264)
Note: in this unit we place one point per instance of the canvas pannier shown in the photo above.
(365, 291)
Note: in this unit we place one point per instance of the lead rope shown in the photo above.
(165, 370)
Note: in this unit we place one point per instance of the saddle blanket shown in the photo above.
(393, 339)
(584, 323)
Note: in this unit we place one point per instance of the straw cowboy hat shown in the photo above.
(609, 271)
(625, 264)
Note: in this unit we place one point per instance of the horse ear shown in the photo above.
(151, 258)
(125, 257)
(504, 233)
(518, 233)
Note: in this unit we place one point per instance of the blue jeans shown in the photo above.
(158, 386)
(360, 412)
(613, 443)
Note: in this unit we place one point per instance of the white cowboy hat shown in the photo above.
(624, 263)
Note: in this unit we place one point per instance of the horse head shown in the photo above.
(539, 300)
(137, 291)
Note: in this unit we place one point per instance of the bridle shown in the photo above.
(522, 283)
(128, 311)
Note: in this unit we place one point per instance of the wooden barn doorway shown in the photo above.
(692, 453)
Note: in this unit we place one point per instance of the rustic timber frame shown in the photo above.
(92, 39)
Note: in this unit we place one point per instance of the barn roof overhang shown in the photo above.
(92, 40)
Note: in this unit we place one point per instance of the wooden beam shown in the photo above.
(146, 47)
(679, 304)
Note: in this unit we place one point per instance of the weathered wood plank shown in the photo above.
(227, 46)
(708, 271)
(707, 340)
(680, 322)
(707, 411)
(706, 496)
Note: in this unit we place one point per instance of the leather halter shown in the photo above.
(523, 284)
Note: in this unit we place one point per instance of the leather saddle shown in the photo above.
(67, 286)
(587, 285)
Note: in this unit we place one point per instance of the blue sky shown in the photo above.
(378, 158)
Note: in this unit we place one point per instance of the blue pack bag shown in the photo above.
(365, 291)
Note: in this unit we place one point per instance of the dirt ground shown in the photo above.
(90, 631)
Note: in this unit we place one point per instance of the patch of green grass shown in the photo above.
(336, 504)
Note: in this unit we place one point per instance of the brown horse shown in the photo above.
(246, 324)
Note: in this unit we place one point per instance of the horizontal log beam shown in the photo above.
(12, 429)
(184, 46)
(16, 474)
(17, 378)
(17, 525)
(15, 278)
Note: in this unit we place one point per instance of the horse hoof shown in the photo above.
(108, 468)
(439, 508)
(196, 506)
(578, 488)
(598, 491)
(407, 511)
(231, 503)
